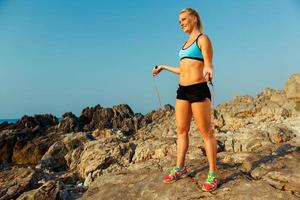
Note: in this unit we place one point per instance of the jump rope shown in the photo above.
(157, 92)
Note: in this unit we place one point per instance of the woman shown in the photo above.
(193, 96)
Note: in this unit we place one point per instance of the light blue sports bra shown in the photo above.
(192, 52)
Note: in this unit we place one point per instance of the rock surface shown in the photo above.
(49, 190)
(114, 153)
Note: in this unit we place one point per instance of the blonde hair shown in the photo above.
(195, 14)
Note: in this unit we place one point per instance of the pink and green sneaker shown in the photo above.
(211, 182)
(175, 175)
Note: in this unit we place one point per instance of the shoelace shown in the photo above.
(173, 171)
(210, 179)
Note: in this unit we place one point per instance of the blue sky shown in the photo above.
(59, 56)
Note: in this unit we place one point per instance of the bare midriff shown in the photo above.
(191, 72)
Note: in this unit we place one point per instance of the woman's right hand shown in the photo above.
(156, 70)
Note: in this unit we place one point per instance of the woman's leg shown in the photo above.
(202, 115)
(183, 116)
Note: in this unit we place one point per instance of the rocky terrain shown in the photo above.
(114, 153)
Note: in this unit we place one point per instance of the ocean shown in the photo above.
(15, 120)
(9, 120)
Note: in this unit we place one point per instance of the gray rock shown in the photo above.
(280, 134)
(54, 159)
(15, 181)
(48, 191)
(70, 123)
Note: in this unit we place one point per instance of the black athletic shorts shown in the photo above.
(194, 93)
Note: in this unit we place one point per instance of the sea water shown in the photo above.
(9, 120)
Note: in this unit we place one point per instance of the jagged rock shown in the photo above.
(48, 191)
(102, 118)
(153, 148)
(54, 159)
(119, 117)
(147, 119)
(248, 141)
(243, 107)
(274, 110)
(122, 111)
(16, 181)
(45, 120)
(31, 152)
(292, 90)
(70, 177)
(258, 152)
(123, 118)
(169, 108)
(74, 143)
(70, 123)
(98, 156)
(281, 169)
(15, 139)
(233, 115)
(87, 113)
(126, 125)
(158, 116)
(104, 133)
(127, 148)
(96, 117)
(218, 121)
(280, 134)
(4, 125)
(127, 151)
(27, 145)
(292, 87)
(138, 118)
(7, 142)
(279, 97)
(268, 105)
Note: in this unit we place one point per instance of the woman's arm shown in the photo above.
(159, 68)
(175, 70)
(207, 53)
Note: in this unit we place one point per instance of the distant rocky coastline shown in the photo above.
(114, 153)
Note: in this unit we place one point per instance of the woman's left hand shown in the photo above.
(208, 73)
